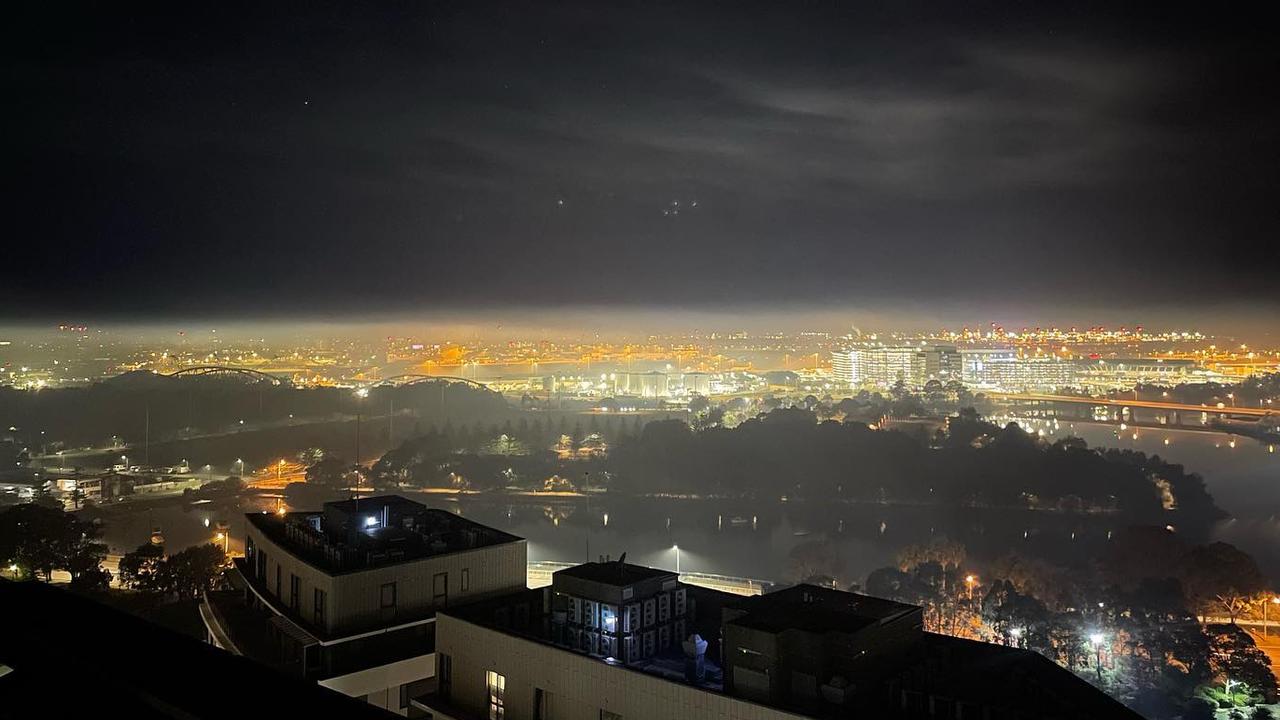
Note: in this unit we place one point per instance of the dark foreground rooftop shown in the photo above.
(73, 657)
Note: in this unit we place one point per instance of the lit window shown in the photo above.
(497, 690)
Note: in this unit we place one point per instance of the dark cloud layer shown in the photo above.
(213, 159)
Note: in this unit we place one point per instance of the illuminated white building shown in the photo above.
(1002, 369)
(882, 366)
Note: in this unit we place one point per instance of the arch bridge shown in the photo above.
(416, 379)
(246, 374)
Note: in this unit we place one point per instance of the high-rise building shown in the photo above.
(886, 366)
(348, 596)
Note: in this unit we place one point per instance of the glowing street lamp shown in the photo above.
(1275, 600)
(970, 580)
(1015, 636)
(677, 549)
(1095, 639)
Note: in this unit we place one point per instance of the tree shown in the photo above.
(1014, 618)
(331, 472)
(814, 559)
(139, 569)
(1236, 658)
(1220, 578)
(41, 539)
(191, 572)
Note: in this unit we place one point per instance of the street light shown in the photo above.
(969, 581)
(1096, 639)
(1275, 600)
(1015, 634)
(677, 549)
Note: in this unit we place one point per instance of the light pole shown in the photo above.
(240, 462)
(1015, 635)
(1096, 640)
(361, 394)
(677, 549)
(1275, 600)
(970, 581)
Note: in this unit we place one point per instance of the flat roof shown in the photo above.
(340, 539)
(816, 609)
(618, 574)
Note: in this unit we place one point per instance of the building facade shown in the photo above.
(802, 652)
(348, 596)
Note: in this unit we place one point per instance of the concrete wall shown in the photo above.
(311, 578)
(354, 599)
(580, 686)
(490, 571)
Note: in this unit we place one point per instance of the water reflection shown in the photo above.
(755, 538)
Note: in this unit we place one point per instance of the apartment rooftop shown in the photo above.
(619, 574)
(359, 534)
(931, 664)
(816, 609)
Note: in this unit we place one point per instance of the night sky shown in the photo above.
(202, 159)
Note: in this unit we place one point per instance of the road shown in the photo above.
(1270, 644)
(1151, 404)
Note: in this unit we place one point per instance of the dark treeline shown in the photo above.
(120, 407)
(976, 464)
(1251, 392)
(788, 452)
(1127, 620)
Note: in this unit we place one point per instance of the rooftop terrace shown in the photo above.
(354, 535)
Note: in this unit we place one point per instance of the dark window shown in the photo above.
(466, 579)
(404, 696)
(295, 592)
(319, 605)
(248, 548)
(444, 675)
(387, 601)
(543, 705)
(440, 590)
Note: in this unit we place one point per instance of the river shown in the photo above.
(756, 539)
